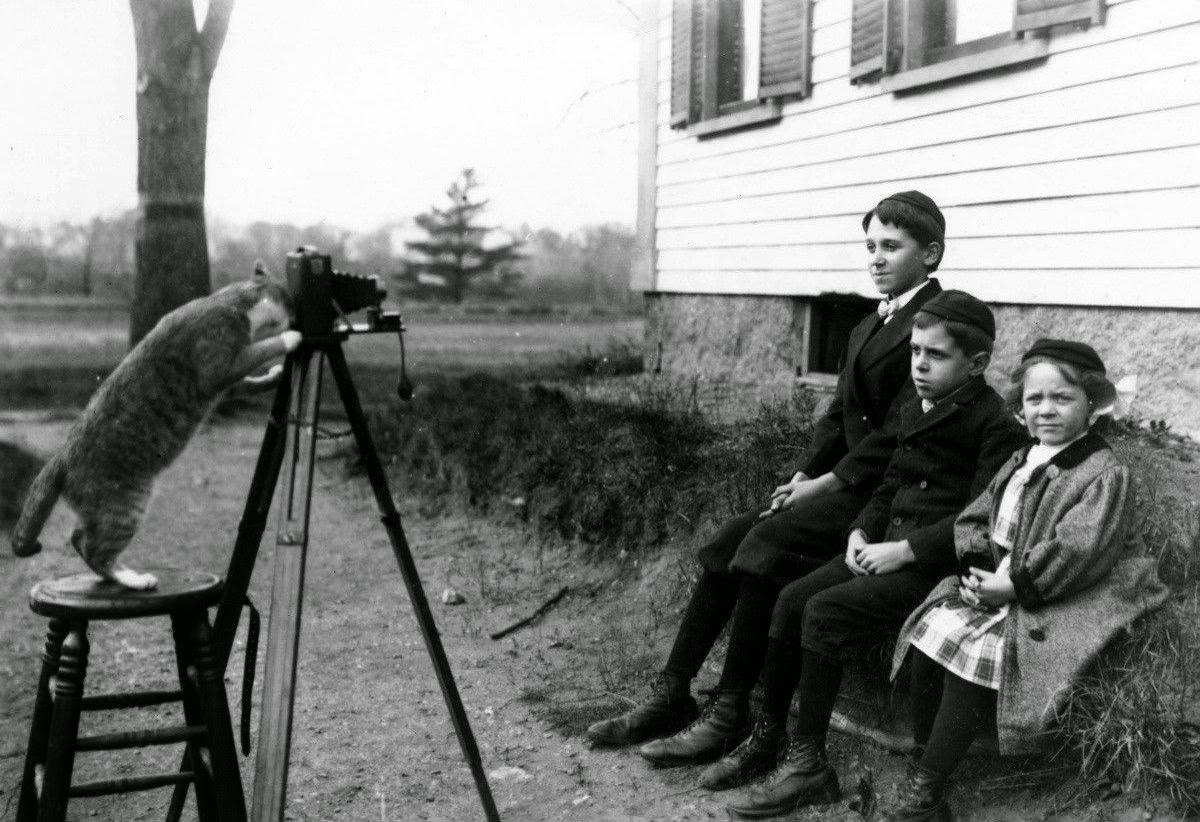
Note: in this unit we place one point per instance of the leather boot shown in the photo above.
(669, 708)
(723, 723)
(750, 760)
(802, 778)
(923, 799)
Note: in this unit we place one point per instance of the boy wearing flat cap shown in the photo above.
(952, 437)
(754, 555)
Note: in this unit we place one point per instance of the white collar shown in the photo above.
(1040, 454)
(901, 299)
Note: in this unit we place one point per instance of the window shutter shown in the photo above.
(868, 23)
(681, 62)
(1037, 14)
(786, 48)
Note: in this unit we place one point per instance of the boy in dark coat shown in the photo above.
(754, 555)
(951, 439)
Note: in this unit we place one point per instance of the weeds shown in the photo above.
(614, 477)
(1133, 723)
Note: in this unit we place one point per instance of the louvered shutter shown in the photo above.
(786, 48)
(867, 36)
(681, 62)
(1036, 14)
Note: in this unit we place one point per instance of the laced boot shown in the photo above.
(750, 760)
(802, 778)
(669, 707)
(723, 723)
(923, 799)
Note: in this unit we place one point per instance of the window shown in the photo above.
(911, 43)
(830, 321)
(734, 60)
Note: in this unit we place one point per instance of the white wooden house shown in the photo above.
(1060, 137)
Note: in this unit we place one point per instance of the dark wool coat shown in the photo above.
(944, 458)
(850, 438)
(1079, 576)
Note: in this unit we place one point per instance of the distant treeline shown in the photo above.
(95, 259)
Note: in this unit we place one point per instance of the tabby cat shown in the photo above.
(144, 413)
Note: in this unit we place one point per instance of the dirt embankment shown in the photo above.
(372, 739)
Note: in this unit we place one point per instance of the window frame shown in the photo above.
(696, 109)
(912, 53)
(819, 325)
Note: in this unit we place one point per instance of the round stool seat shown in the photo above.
(88, 596)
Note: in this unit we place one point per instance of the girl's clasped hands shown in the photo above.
(987, 589)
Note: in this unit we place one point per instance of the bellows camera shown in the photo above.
(321, 294)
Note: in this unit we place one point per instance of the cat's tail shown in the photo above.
(43, 493)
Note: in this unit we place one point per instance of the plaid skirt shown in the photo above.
(966, 641)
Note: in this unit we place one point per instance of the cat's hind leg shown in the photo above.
(100, 542)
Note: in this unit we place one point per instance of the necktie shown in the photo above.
(886, 309)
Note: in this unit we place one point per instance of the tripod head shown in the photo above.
(324, 296)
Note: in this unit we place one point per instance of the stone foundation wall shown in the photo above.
(718, 337)
(1160, 346)
(759, 340)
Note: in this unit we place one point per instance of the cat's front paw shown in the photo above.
(134, 579)
(291, 340)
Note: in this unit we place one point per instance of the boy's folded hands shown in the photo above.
(864, 557)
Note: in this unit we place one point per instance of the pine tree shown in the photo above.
(455, 251)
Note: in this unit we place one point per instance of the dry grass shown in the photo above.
(57, 357)
(1132, 724)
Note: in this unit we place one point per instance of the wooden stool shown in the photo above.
(212, 766)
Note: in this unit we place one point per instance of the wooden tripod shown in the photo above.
(290, 439)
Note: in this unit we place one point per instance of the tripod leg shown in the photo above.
(254, 517)
(287, 592)
(245, 547)
(412, 581)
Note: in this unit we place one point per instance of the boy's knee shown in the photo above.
(821, 613)
(789, 617)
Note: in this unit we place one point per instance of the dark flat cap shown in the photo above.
(962, 307)
(1076, 353)
(921, 202)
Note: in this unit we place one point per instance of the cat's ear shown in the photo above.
(260, 275)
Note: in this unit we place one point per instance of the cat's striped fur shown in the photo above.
(144, 413)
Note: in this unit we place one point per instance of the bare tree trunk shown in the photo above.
(175, 63)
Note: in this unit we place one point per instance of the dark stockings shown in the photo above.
(781, 675)
(964, 708)
(748, 633)
(924, 694)
(707, 612)
(820, 681)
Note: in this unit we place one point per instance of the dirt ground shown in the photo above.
(372, 739)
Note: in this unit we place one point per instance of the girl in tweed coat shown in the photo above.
(1049, 574)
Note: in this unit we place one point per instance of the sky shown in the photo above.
(352, 112)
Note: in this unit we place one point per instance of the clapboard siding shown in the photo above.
(1108, 99)
(1086, 164)
(1095, 175)
(1106, 136)
(1076, 252)
(1146, 288)
(1125, 212)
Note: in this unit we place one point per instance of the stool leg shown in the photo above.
(64, 724)
(39, 726)
(206, 806)
(227, 781)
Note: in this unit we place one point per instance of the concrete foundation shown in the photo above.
(760, 340)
